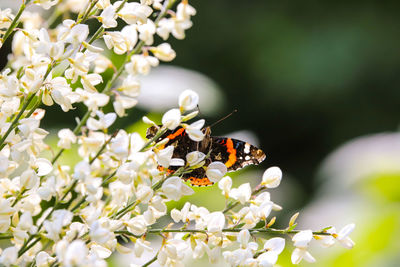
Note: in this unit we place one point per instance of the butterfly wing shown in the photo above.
(235, 154)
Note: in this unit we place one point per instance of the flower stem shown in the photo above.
(76, 131)
(225, 230)
(103, 147)
(145, 146)
(15, 22)
(15, 121)
(150, 261)
(6, 237)
(19, 196)
(88, 11)
(26, 248)
(108, 178)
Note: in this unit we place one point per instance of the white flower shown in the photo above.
(273, 248)
(147, 31)
(100, 251)
(262, 205)
(102, 4)
(215, 171)
(75, 253)
(122, 41)
(301, 253)
(104, 121)
(66, 138)
(302, 238)
(301, 241)
(343, 238)
(75, 35)
(79, 66)
(144, 193)
(194, 130)
(53, 49)
(171, 119)
(195, 158)
(164, 156)
(327, 240)
(89, 81)
(46, 4)
(9, 256)
(243, 239)
(272, 177)
(215, 222)
(93, 100)
(29, 179)
(5, 213)
(164, 52)
(81, 170)
(225, 185)
(58, 89)
(107, 17)
(131, 13)
(188, 100)
(184, 11)
(100, 234)
(137, 225)
(141, 64)
(173, 251)
(130, 86)
(174, 188)
(43, 259)
(175, 26)
(25, 221)
(242, 193)
(59, 219)
(141, 246)
(121, 103)
(43, 166)
(182, 215)
(127, 172)
(6, 17)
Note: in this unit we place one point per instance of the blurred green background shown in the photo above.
(306, 77)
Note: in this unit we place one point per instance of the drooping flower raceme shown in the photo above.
(117, 189)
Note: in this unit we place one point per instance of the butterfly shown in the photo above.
(234, 153)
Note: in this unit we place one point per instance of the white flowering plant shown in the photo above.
(110, 201)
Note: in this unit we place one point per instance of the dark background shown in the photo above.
(306, 76)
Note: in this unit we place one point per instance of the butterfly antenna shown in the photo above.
(223, 118)
(198, 109)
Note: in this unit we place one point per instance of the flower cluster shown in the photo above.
(55, 214)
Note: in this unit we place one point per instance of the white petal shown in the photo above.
(101, 251)
(215, 171)
(44, 166)
(302, 238)
(276, 244)
(172, 119)
(272, 177)
(297, 255)
(188, 100)
(345, 231)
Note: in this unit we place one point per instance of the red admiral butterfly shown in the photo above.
(235, 154)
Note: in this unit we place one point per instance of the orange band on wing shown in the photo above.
(199, 181)
(177, 133)
(232, 153)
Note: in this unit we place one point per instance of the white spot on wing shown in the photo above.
(247, 148)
